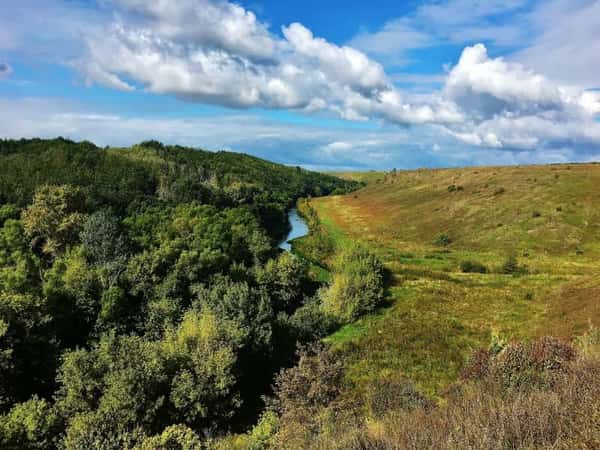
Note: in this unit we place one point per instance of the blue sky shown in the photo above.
(324, 84)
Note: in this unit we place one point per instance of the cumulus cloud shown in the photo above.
(216, 52)
(509, 106)
(219, 24)
(491, 86)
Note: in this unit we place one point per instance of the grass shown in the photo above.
(438, 314)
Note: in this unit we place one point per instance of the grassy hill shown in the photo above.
(427, 225)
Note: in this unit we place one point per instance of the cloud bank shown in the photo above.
(217, 52)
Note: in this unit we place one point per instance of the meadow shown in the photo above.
(430, 227)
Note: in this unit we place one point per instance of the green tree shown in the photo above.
(105, 246)
(27, 345)
(286, 280)
(32, 425)
(357, 286)
(175, 437)
(54, 218)
(19, 268)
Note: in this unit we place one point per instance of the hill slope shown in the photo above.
(122, 178)
(427, 224)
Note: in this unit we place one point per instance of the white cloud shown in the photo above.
(150, 44)
(491, 86)
(566, 46)
(207, 23)
(339, 64)
(509, 106)
(217, 52)
(393, 39)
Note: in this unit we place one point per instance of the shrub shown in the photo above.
(389, 394)
(473, 267)
(313, 383)
(356, 287)
(511, 267)
(519, 365)
(454, 188)
(589, 344)
(477, 365)
(478, 413)
(522, 366)
(443, 240)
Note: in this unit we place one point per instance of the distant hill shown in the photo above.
(547, 209)
(123, 177)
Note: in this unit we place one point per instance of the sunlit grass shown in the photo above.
(547, 216)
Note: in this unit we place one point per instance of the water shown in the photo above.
(299, 229)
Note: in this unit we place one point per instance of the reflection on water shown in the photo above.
(299, 229)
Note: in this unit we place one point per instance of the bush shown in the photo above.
(511, 267)
(313, 383)
(589, 344)
(473, 267)
(356, 287)
(443, 240)
(481, 414)
(520, 365)
(389, 394)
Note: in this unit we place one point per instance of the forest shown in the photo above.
(142, 289)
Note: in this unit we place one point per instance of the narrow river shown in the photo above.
(299, 229)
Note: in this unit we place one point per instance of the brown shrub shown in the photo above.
(390, 394)
(484, 414)
(477, 366)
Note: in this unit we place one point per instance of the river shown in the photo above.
(299, 229)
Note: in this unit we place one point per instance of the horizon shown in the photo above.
(423, 84)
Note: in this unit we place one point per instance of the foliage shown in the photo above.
(512, 267)
(143, 300)
(443, 240)
(357, 285)
(389, 394)
(478, 414)
(31, 425)
(470, 266)
(54, 218)
(175, 437)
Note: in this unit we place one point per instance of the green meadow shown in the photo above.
(427, 224)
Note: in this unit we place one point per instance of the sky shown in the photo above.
(328, 85)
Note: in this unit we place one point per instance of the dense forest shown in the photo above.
(142, 289)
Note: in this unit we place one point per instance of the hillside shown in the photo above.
(123, 177)
(425, 224)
